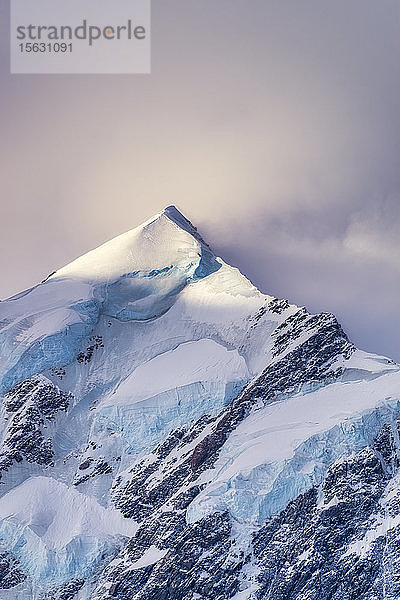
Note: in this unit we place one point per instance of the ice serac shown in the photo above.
(168, 431)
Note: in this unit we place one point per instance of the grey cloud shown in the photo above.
(352, 268)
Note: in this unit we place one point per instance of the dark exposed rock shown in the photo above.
(305, 552)
(11, 574)
(300, 554)
(85, 357)
(207, 448)
(66, 592)
(170, 442)
(310, 362)
(386, 448)
(31, 405)
(182, 501)
(98, 467)
(200, 562)
(48, 276)
(59, 372)
(278, 306)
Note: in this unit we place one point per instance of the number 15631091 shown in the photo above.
(45, 47)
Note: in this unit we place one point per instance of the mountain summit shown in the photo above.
(169, 432)
(167, 239)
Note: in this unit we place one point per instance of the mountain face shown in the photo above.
(168, 432)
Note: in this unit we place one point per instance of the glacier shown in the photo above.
(285, 448)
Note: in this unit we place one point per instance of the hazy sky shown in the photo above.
(274, 125)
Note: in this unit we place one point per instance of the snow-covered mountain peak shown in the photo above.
(151, 392)
(137, 276)
(179, 219)
(165, 241)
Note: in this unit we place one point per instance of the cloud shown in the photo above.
(347, 264)
(375, 233)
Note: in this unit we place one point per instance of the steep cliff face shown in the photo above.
(170, 433)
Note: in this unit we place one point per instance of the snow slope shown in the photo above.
(192, 362)
(55, 531)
